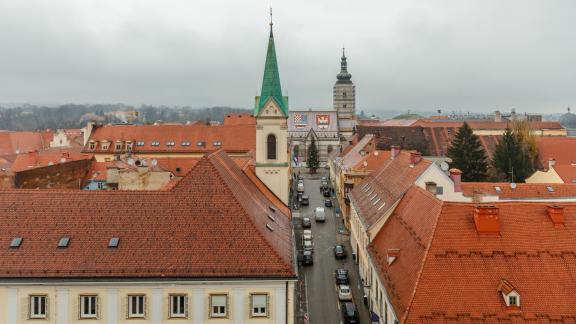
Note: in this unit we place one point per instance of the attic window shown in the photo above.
(155, 143)
(270, 228)
(63, 243)
(118, 146)
(170, 143)
(364, 186)
(217, 143)
(376, 201)
(498, 189)
(105, 146)
(271, 217)
(512, 300)
(382, 206)
(16, 242)
(140, 143)
(272, 208)
(92, 146)
(373, 197)
(113, 242)
(550, 189)
(201, 143)
(185, 143)
(367, 188)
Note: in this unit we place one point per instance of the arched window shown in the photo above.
(271, 145)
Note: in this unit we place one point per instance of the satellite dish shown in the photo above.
(130, 161)
(513, 185)
(444, 166)
(154, 163)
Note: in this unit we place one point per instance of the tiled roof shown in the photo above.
(212, 224)
(485, 124)
(562, 149)
(372, 160)
(354, 155)
(385, 186)
(33, 160)
(530, 191)
(447, 272)
(566, 172)
(195, 138)
(12, 143)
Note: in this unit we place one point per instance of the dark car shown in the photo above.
(341, 277)
(305, 201)
(339, 251)
(349, 313)
(328, 203)
(326, 192)
(307, 258)
(306, 222)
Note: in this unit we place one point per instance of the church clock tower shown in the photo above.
(345, 100)
(271, 112)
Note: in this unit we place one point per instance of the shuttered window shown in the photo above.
(259, 304)
(218, 305)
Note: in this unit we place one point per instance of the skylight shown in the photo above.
(63, 242)
(269, 227)
(550, 189)
(200, 143)
(217, 143)
(373, 197)
(376, 201)
(16, 242)
(114, 242)
(498, 189)
(271, 217)
(272, 208)
(367, 188)
(382, 206)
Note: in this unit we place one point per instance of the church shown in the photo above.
(277, 126)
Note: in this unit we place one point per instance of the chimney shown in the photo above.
(551, 163)
(456, 176)
(487, 219)
(392, 255)
(497, 116)
(556, 214)
(415, 158)
(394, 151)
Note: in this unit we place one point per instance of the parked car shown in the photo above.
(327, 202)
(349, 313)
(339, 251)
(323, 185)
(326, 192)
(306, 222)
(300, 186)
(307, 236)
(341, 276)
(305, 200)
(307, 231)
(319, 214)
(307, 258)
(344, 293)
(324, 179)
(308, 246)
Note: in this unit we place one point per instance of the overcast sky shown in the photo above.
(421, 55)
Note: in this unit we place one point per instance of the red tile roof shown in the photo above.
(566, 172)
(530, 191)
(357, 152)
(562, 149)
(485, 124)
(387, 183)
(212, 224)
(237, 137)
(448, 272)
(12, 143)
(372, 160)
(33, 160)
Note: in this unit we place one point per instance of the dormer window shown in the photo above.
(217, 143)
(118, 146)
(185, 143)
(513, 301)
(105, 146)
(200, 143)
(155, 143)
(140, 143)
(128, 146)
(92, 146)
(509, 293)
(170, 143)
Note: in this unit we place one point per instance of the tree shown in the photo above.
(527, 141)
(510, 159)
(313, 161)
(468, 155)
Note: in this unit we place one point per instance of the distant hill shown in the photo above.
(32, 117)
(408, 116)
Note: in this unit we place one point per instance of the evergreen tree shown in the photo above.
(313, 161)
(510, 159)
(468, 155)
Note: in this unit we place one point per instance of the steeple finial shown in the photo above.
(343, 52)
(344, 75)
(271, 22)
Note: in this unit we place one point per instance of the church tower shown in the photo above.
(271, 112)
(345, 100)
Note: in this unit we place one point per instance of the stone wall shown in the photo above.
(68, 175)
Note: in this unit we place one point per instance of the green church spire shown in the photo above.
(271, 82)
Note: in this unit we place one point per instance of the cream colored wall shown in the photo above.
(60, 139)
(143, 179)
(104, 157)
(157, 302)
(550, 176)
(274, 173)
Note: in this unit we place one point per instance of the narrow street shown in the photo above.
(319, 280)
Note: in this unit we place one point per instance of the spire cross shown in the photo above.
(271, 23)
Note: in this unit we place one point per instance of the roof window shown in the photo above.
(270, 228)
(185, 143)
(271, 217)
(170, 143)
(374, 197)
(201, 143)
(382, 206)
(498, 189)
(367, 188)
(140, 143)
(155, 143)
(376, 201)
(364, 186)
(550, 189)
(113, 242)
(217, 143)
(272, 208)
(16, 242)
(64, 241)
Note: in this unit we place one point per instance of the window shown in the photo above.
(344, 106)
(63, 242)
(344, 94)
(271, 147)
(512, 300)
(38, 307)
(105, 146)
(155, 143)
(16, 242)
(92, 146)
(259, 304)
(88, 306)
(118, 146)
(185, 143)
(128, 146)
(140, 143)
(201, 143)
(498, 189)
(550, 189)
(178, 306)
(136, 306)
(100, 185)
(217, 143)
(330, 148)
(113, 242)
(218, 305)
(170, 143)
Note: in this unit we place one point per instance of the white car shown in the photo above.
(307, 236)
(308, 245)
(307, 232)
(319, 214)
(344, 292)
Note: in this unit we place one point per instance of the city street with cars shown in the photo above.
(329, 291)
